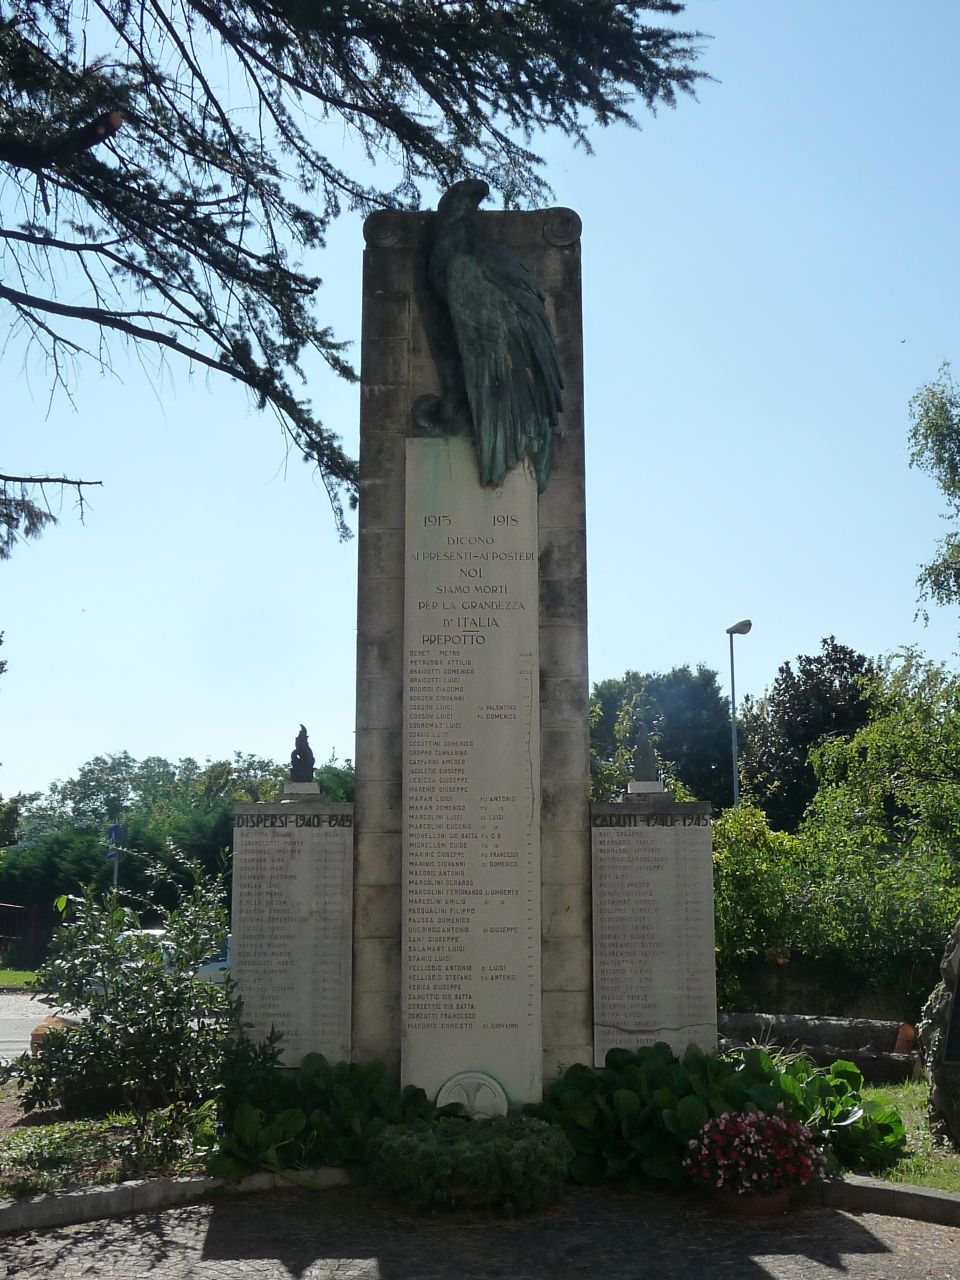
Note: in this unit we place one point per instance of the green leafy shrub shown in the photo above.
(633, 1119)
(860, 1135)
(251, 1072)
(43, 1157)
(173, 1139)
(74, 1153)
(322, 1114)
(869, 887)
(759, 895)
(252, 1142)
(348, 1104)
(153, 1035)
(834, 895)
(516, 1163)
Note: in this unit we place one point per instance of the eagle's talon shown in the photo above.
(427, 417)
(441, 416)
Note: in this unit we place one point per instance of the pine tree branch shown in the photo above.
(115, 320)
(42, 480)
(21, 517)
(22, 154)
(208, 214)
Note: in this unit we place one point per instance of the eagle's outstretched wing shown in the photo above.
(497, 355)
(509, 356)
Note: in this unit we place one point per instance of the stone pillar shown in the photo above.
(396, 369)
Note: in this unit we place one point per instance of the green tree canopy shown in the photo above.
(34, 873)
(834, 904)
(113, 787)
(895, 783)
(935, 448)
(56, 840)
(687, 718)
(827, 696)
(869, 885)
(139, 201)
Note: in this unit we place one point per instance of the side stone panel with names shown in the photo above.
(653, 926)
(292, 922)
(471, 992)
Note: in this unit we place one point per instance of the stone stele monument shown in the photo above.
(292, 915)
(472, 961)
(475, 913)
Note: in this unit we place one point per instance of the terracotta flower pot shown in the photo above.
(763, 1204)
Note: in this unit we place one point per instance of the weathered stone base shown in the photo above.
(938, 1033)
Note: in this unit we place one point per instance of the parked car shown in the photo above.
(155, 937)
(217, 968)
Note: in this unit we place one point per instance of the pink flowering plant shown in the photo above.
(754, 1152)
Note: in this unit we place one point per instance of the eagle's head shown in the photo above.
(463, 198)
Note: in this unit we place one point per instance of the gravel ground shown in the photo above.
(294, 1235)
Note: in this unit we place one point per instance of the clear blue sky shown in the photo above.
(769, 275)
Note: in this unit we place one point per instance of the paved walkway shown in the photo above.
(295, 1235)
(19, 1014)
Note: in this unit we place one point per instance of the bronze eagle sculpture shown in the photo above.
(495, 349)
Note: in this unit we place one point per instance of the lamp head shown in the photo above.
(740, 628)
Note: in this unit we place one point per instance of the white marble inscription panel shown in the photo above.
(654, 969)
(471, 766)
(292, 924)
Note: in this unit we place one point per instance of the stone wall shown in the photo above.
(808, 987)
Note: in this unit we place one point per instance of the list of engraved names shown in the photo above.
(292, 924)
(653, 934)
(471, 978)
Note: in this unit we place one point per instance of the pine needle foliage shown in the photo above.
(164, 171)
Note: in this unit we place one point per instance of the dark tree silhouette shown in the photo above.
(688, 717)
(138, 201)
(827, 696)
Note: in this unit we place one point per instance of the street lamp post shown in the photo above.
(738, 629)
(115, 838)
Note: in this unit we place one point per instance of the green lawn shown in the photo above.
(17, 977)
(930, 1160)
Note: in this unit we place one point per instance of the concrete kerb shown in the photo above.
(64, 1208)
(894, 1199)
